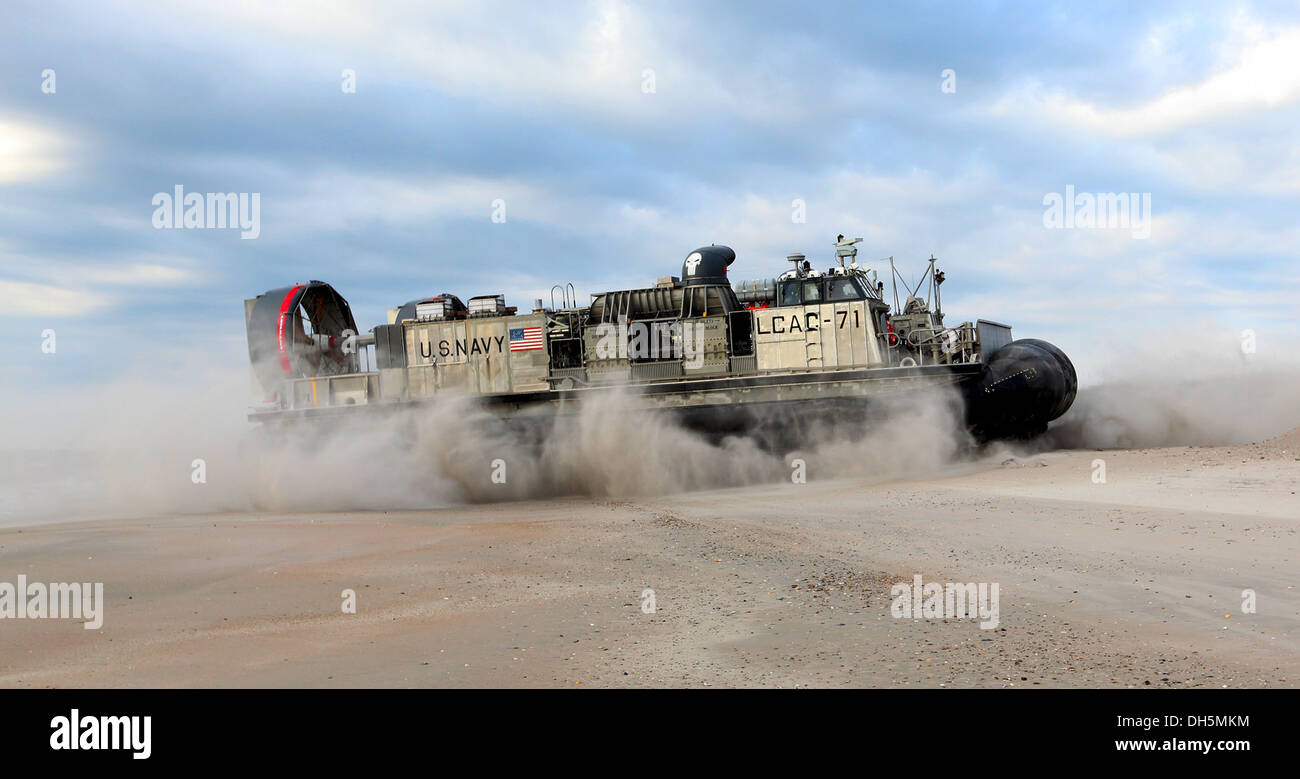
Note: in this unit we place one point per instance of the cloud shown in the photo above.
(72, 287)
(28, 152)
(26, 299)
(139, 274)
(342, 200)
(388, 193)
(1265, 76)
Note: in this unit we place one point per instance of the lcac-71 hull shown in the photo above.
(1023, 387)
(807, 345)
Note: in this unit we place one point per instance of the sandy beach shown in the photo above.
(1134, 582)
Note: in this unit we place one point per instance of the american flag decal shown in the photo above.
(523, 339)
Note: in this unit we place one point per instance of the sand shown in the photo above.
(1134, 582)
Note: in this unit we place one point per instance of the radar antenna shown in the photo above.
(846, 247)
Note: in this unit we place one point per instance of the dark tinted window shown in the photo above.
(790, 293)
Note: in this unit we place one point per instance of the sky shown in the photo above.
(403, 149)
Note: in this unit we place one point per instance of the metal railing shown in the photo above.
(934, 346)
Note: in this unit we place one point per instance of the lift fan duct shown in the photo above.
(298, 332)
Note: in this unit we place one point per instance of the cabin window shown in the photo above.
(845, 289)
(812, 292)
(790, 294)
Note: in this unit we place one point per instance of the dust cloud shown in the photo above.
(141, 449)
(1191, 387)
(135, 449)
(611, 445)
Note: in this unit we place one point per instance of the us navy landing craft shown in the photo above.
(721, 357)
